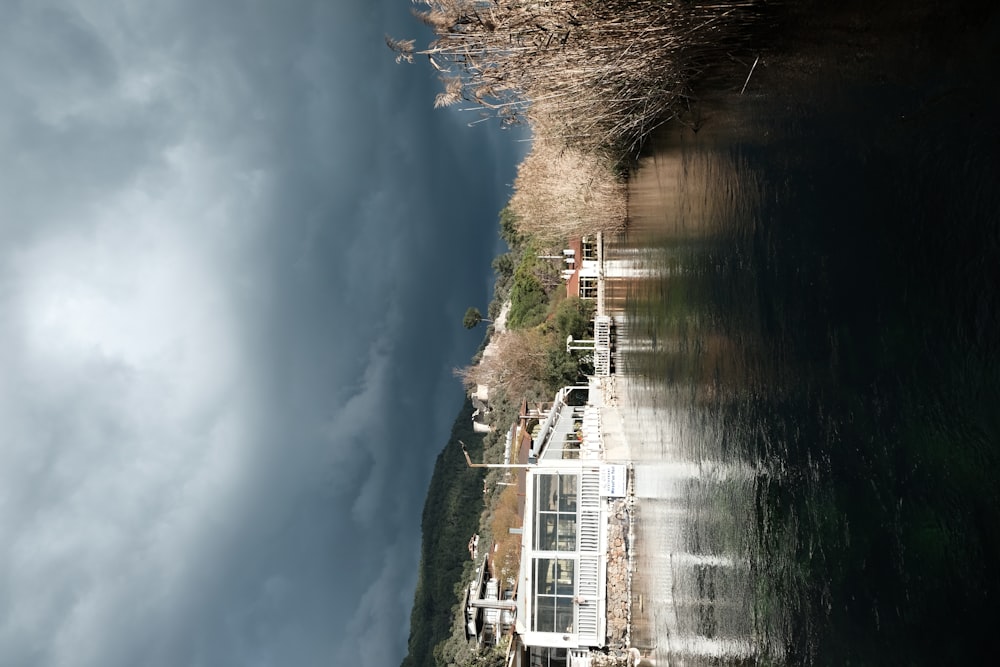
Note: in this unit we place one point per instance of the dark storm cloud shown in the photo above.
(236, 245)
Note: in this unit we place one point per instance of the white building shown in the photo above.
(561, 601)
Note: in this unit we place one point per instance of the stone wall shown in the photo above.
(618, 586)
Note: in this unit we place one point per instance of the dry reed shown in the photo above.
(599, 75)
(562, 192)
(592, 78)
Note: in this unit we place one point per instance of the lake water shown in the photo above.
(808, 324)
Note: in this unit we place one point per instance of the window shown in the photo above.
(555, 512)
(547, 657)
(570, 446)
(554, 585)
(555, 544)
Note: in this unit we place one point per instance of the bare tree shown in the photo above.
(598, 75)
(512, 364)
(593, 79)
(563, 192)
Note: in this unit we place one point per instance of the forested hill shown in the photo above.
(451, 516)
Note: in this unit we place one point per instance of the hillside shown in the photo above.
(450, 517)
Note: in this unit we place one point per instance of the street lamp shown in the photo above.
(516, 466)
(588, 345)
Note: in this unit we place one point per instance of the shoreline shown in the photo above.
(620, 563)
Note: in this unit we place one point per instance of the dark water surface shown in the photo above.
(808, 302)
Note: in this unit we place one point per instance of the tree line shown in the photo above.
(592, 78)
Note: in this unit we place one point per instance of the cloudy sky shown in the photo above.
(236, 243)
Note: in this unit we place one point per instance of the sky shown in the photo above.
(236, 244)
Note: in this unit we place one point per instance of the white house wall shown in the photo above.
(589, 558)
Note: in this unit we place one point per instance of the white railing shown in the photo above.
(589, 605)
(592, 439)
(588, 608)
(602, 345)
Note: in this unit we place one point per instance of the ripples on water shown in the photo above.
(808, 318)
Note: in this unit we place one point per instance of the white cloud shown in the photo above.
(125, 429)
(207, 251)
(390, 593)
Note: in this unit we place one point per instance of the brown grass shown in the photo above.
(595, 75)
(561, 192)
(507, 556)
(592, 78)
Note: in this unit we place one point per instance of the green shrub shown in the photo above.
(573, 317)
(529, 301)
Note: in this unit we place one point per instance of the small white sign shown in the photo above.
(613, 481)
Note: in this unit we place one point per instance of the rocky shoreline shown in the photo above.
(618, 577)
(620, 535)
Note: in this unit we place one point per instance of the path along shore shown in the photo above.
(620, 531)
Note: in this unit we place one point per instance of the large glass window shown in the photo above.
(555, 533)
(555, 512)
(553, 608)
(547, 657)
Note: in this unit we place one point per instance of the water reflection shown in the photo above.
(808, 322)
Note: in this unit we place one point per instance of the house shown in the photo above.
(561, 608)
(480, 414)
(487, 616)
(582, 268)
(567, 492)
